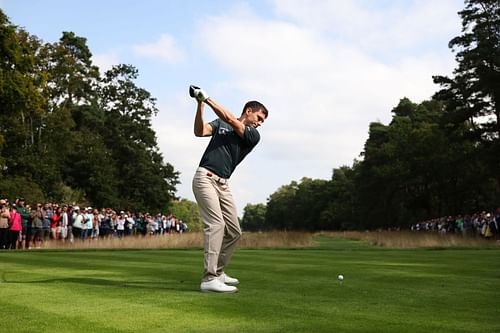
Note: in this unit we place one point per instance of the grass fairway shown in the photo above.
(452, 290)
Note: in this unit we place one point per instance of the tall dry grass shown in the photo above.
(411, 240)
(281, 239)
(277, 239)
(189, 240)
(171, 241)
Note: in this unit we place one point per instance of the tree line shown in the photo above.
(435, 158)
(69, 133)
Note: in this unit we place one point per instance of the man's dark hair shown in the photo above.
(256, 106)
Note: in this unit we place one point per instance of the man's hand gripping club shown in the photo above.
(198, 93)
(202, 97)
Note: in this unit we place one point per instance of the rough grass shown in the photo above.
(281, 239)
(413, 240)
(189, 240)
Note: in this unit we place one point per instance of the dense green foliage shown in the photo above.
(439, 157)
(188, 212)
(454, 290)
(255, 217)
(69, 133)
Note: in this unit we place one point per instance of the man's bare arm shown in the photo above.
(227, 116)
(200, 127)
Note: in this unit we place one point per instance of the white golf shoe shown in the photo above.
(217, 286)
(226, 279)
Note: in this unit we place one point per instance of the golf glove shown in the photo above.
(198, 93)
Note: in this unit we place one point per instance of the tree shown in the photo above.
(280, 205)
(254, 218)
(472, 95)
(66, 132)
(188, 212)
(311, 199)
(341, 211)
(146, 182)
(414, 169)
(299, 205)
(19, 93)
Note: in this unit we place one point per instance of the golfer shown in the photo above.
(232, 139)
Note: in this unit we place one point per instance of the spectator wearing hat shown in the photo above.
(120, 224)
(490, 226)
(88, 224)
(129, 224)
(77, 223)
(84, 231)
(15, 228)
(37, 226)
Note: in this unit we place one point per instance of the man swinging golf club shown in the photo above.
(232, 139)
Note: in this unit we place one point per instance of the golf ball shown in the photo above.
(340, 277)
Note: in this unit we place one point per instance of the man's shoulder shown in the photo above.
(251, 136)
(252, 129)
(216, 123)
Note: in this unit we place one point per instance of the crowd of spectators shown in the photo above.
(483, 224)
(23, 226)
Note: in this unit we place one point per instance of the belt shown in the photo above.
(218, 179)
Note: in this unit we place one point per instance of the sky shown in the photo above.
(324, 69)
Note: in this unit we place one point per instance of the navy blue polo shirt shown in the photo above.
(227, 149)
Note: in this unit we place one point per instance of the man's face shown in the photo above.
(254, 119)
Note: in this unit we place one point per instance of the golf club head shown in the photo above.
(192, 91)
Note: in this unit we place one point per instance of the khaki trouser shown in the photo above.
(221, 225)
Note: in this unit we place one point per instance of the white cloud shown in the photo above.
(174, 130)
(322, 91)
(106, 60)
(385, 29)
(324, 68)
(165, 49)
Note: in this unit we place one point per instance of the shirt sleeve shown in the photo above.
(215, 125)
(251, 136)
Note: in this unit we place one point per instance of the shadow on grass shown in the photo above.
(183, 285)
